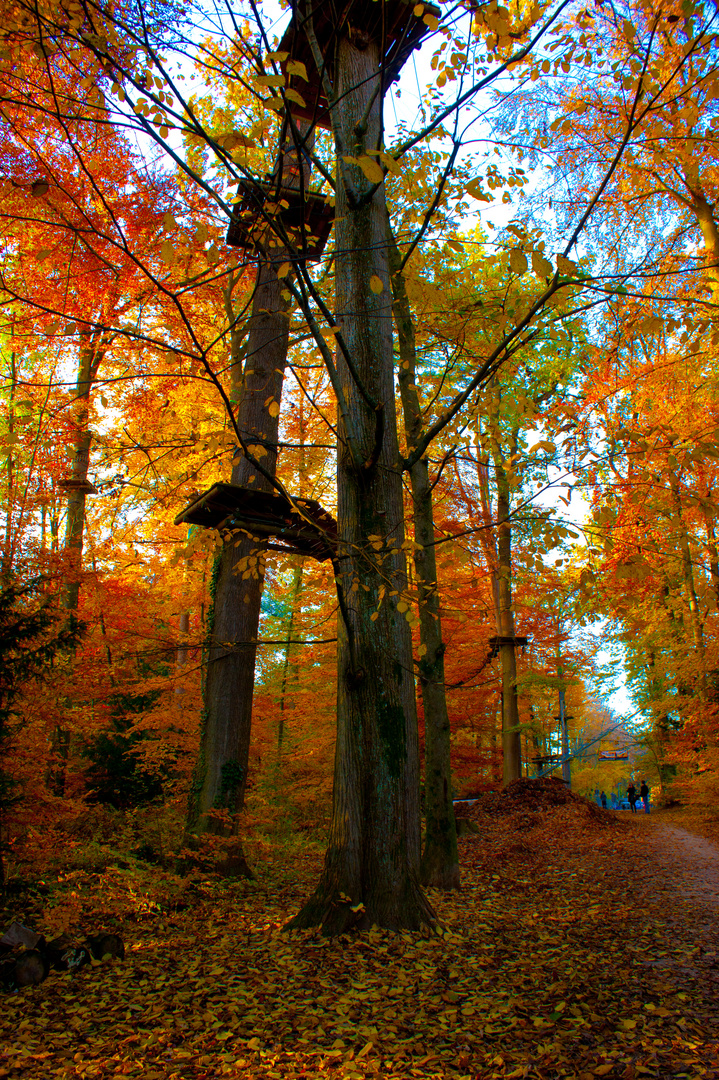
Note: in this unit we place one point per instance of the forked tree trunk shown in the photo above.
(440, 857)
(371, 872)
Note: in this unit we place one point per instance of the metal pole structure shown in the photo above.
(570, 757)
(566, 767)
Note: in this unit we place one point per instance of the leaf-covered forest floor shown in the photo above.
(573, 950)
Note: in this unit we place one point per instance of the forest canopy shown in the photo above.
(358, 403)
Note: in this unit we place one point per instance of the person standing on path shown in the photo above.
(644, 792)
(632, 796)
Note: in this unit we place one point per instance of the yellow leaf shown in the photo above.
(296, 67)
(628, 1025)
(421, 651)
(284, 270)
(364, 1051)
(274, 409)
(541, 266)
(235, 139)
(402, 606)
(565, 265)
(371, 168)
(254, 1044)
(376, 284)
(258, 451)
(294, 95)
(431, 20)
(390, 164)
(374, 616)
(518, 261)
(270, 80)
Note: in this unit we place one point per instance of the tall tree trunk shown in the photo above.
(511, 740)
(564, 738)
(502, 588)
(238, 579)
(371, 872)
(440, 857)
(7, 555)
(89, 359)
(91, 353)
(496, 540)
(711, 547)
(688, 581)
(287, 669)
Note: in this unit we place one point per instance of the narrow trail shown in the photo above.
(691, 862)
(679, 871)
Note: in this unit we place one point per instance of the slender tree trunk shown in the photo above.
(371, 872)
(712, 549)
(688, 581)
(90, 356)
(238, 579)
(287, 671)
(440, 857)
(511, 737)
(88, 363)
(7, 555)
(496, 540)
(564, 738)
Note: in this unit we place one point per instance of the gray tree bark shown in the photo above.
(440, 857)
(499, 557)
(371, 872)
(238, 578)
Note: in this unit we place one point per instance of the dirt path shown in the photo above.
(690, 862)
(678, 872)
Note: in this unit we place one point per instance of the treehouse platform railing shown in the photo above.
(311, 533)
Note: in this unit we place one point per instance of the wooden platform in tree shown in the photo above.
(399, 26)
(266, 516)
(71, 483)
(295, 224)
(499, 640)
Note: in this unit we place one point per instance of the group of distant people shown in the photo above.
(633, 798)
